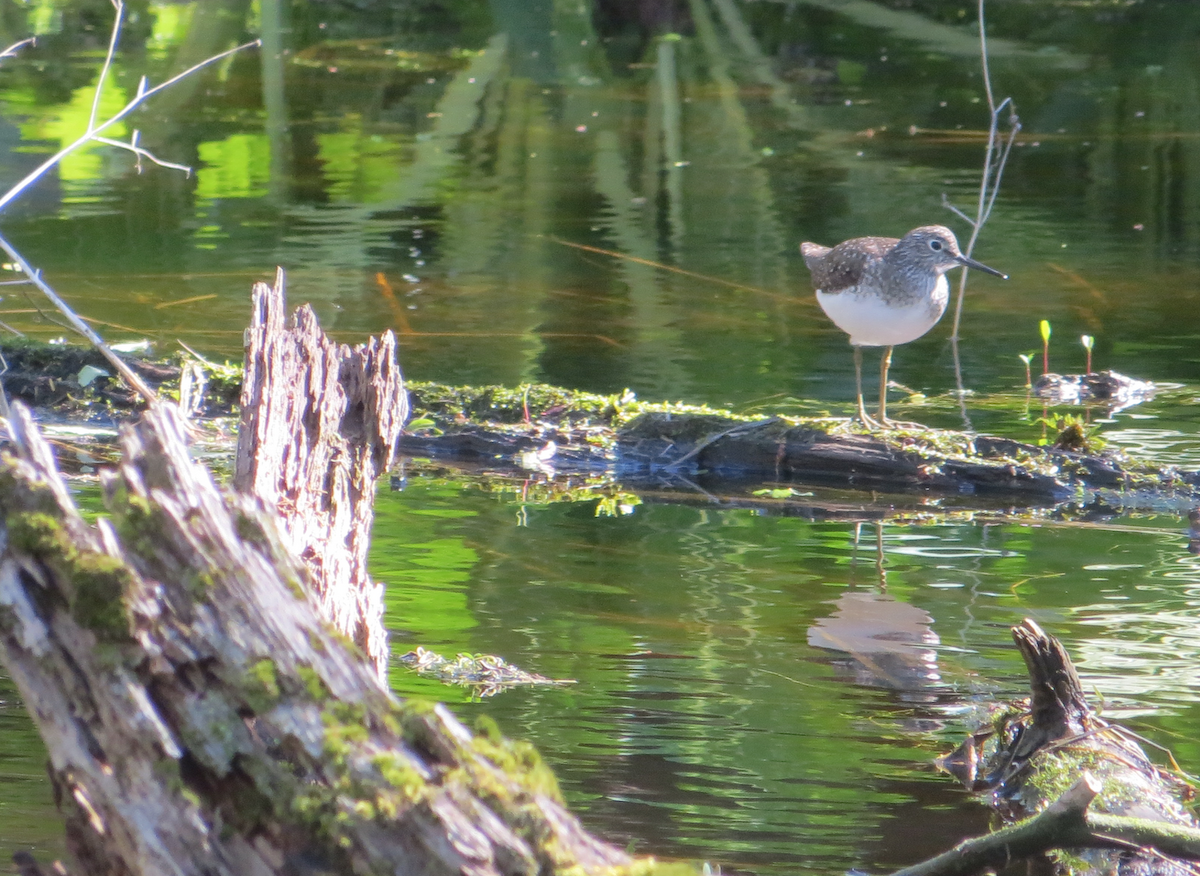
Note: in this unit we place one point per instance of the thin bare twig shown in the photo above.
(994, 161)
(35, 277)
(113, 39)
(90, 134)
(11, 51)
(141, 153)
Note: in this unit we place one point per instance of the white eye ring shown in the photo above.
(935, 244)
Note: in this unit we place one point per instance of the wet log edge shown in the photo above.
(1064, 824)
(666, 446)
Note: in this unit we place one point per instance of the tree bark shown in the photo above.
(200, 717)
(319, 426)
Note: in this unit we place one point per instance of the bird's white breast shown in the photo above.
(872, 321)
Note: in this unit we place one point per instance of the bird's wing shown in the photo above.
(842, 267)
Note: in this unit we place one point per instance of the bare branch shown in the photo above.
(994, 161)
(114, 37)
(79, 325)
(957, 212)
(90, 135)
(141, 153)
(93, 134)
(11, 51)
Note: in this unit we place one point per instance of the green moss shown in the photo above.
(294, 585)
(316, 642)
(505, 404)
(313, 683)
(261, 687)
(101, 583)
(139, 524)
(521, 762)
(537, 401)
(200, 584)
(98, 583)
(396, 770)
(345, 726)
(249, 529)
(346, 642)
(416, 717)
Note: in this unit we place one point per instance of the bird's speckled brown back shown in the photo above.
(834, 270)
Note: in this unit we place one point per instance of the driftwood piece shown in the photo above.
(201, 719)
(1088, 784)
(319, 426)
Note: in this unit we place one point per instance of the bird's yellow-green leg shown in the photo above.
(884, 364)
(862, 410)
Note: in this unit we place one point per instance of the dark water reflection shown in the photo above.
(750, 691)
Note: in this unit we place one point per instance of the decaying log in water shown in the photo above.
(201, 719)
(319, 425)
(647, 444)
(1088, 784)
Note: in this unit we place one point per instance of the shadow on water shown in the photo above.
(610, 194)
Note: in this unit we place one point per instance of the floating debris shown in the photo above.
(1116, 390)
(486, 674)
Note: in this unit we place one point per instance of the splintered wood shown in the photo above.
(319, 426)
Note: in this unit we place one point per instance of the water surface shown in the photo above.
(536, 191)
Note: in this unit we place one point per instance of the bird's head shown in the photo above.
(935, 248)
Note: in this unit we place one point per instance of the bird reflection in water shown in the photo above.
(885, 642)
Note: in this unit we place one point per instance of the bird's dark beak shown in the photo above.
(980, 266)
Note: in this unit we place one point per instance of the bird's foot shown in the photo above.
(868, 421)
(903, 425)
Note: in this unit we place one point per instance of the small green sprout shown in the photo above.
(1044, 327)
(1088, 342)
(1027, 358)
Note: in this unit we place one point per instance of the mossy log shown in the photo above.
(201, 718)
(652, 444)
(318, 426)
(1087, 784)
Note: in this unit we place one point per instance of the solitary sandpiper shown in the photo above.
(882, 291)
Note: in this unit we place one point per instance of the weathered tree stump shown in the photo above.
(319, 426)
(1088, 785)
(202, 719)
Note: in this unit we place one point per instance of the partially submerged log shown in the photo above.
(1094, 790)
(318, 427)
(552, 429)
(201, 719)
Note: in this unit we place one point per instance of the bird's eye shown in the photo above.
(935, 244)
